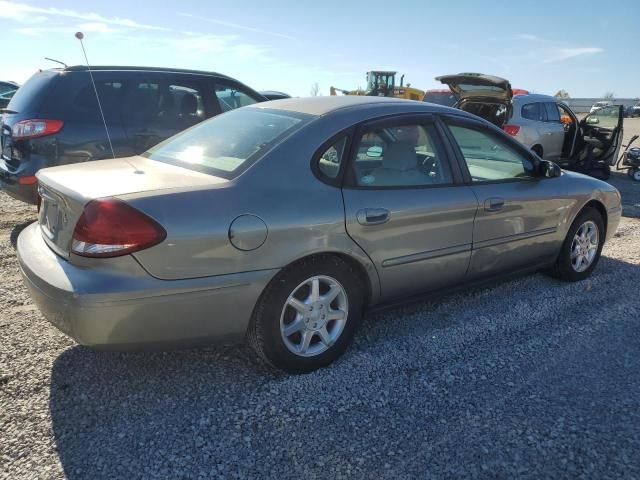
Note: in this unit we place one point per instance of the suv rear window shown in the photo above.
(28, 97)
(228, 144)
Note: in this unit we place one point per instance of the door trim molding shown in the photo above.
(514, 238)
(428, 255)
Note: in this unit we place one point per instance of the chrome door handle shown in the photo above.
(493, 204)
(372, 216)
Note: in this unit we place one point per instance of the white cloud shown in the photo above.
(238, 26)
(529, 36)
(25, 13)
(564, 53)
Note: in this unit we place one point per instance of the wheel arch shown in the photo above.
(538, 150)
(600, 208)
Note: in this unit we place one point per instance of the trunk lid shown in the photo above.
(478, 85)
(65, 190)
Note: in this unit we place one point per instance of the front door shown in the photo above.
(518, 215)
(602, 130)
(406, 207)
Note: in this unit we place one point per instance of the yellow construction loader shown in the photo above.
(383, 84)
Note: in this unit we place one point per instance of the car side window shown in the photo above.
(170, 105)
(331, 159)
(400, 156)
(85, 104)
(553, 113)
(605, 117)
(231, 97)
(534, 111)
(490, 158)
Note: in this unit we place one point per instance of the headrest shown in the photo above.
(400, 156)
(189, 104)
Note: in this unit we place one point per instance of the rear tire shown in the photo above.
(298, 331)
(581, 248)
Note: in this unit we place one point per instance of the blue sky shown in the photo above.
(587, 48)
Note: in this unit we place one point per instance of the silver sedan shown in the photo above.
(283, 222)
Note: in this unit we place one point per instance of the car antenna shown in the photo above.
(80, 36)
(56, 61)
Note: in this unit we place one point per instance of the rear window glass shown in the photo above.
(29, 96)
(447, 99)
(553, 114)
(228, 144)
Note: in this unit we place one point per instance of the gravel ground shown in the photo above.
(530, 379)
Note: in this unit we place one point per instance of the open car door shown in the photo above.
(486, 96)
(602, 130)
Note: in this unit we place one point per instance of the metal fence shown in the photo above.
(583, 105)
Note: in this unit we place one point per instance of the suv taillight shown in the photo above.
(110, 228)
(511, 129)
(35, 128)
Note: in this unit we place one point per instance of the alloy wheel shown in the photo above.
(314, 316)
(584, 246)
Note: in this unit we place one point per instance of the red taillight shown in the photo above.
(511, 129)
(27, 180)
(110, 228)
(35, 128)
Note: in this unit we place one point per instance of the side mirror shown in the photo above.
(374, 151)
(549, 169)
(593, 120)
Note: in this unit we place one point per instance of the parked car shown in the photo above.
(274, 95)
(54, 119)
(7, 90)
(598, 105)
(302, 214)
(633, 111)
(543, 123)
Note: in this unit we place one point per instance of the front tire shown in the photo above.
(581, 248)
(307, 315)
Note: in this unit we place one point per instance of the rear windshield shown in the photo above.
(447, 99)
(30, 95)
(228, 144)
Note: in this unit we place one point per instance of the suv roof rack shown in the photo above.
(82, 68)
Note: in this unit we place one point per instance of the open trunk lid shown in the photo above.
(65, 190)
(478, 85)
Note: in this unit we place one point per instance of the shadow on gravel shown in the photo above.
(531, 376)
(15, 231)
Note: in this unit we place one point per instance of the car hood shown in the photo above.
(478, 85)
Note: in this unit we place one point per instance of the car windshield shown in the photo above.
(228, 144)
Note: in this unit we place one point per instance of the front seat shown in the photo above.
(399, 166)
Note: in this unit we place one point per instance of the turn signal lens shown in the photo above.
(111, 228)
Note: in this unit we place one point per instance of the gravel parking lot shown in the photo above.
(532, 378)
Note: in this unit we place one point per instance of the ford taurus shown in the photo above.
(283, 222)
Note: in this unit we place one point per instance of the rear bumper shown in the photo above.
(9, 184)
(124, 308)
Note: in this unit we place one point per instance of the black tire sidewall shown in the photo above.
(565, 269)
(268, 314)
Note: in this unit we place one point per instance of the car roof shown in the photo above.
(323, 105)
(534, 97)
(120, 68)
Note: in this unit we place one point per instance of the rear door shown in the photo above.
(406, 207)
(518, 212)
(603, 130)
(555, 130)
(231, 95)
